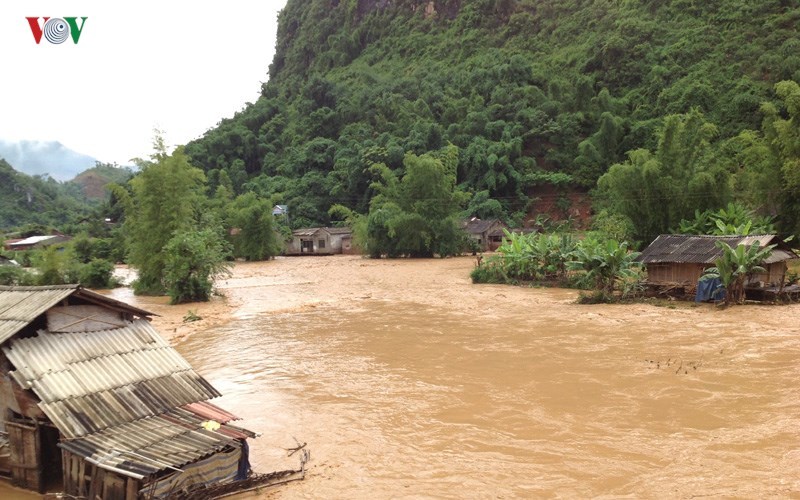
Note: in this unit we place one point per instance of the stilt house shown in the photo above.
(93, 400)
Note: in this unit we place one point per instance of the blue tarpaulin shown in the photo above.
(709, 289)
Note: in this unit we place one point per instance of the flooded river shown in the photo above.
(407, 381)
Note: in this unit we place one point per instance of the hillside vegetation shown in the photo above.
(532, 93)
(43, 202)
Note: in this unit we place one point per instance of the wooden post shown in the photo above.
(132, 489)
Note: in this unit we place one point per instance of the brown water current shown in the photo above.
(408, 381)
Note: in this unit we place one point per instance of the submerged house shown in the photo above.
(320, 241)
(341, 240)
(487, 234)
(95, 402)
(680, 260)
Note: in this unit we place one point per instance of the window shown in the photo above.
(321, 244)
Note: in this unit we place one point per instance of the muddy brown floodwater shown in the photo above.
(407, 381)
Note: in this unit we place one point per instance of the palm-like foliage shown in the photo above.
(537, 256)
(733, 219)
(735, 266)
(605, 263)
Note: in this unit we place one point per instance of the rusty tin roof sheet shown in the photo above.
(148, 446)
(209, 411)
(19, 305)
(692, 249)
(91, 381)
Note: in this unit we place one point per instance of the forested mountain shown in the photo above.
(34, 200)
(45, 202)
(532, 92)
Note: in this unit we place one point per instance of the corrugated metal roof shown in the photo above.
(682, 248)
(91, 381)
(339, 230)
(209, 411)
(19, 305)
(150, 445)
(32, 240)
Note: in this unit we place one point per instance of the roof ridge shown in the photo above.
(16, 288)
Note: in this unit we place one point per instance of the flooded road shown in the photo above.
(407, 381)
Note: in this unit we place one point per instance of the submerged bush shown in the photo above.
(491, 271)
(98, 273)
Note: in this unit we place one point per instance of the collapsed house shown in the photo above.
(93, 400)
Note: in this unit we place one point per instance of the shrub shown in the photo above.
(490, 272)
(194, 259)
(98, 273)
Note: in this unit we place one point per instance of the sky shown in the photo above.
(174, 65)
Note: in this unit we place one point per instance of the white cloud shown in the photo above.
(180, 66)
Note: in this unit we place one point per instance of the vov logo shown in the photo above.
(56, 29)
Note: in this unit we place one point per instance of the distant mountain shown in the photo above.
(45, 158)
(93, 182)
(29, 200)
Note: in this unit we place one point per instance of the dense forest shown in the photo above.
(532, 94)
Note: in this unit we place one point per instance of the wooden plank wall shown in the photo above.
(75, 474)
(72, 319)
(83, 480)
(25, 462)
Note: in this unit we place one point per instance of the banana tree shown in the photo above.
(605, 263)
(735, 266)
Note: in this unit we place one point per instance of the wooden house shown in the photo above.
(487, 234)
(680, 260)
(93, 400)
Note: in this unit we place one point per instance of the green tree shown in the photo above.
(606, 265)
(417, 216)
(55, 265)
(257, 238)
(656, 190)
(97, 273)
(193, 260)
(783, 134)
(734, 219)
(166, 197)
